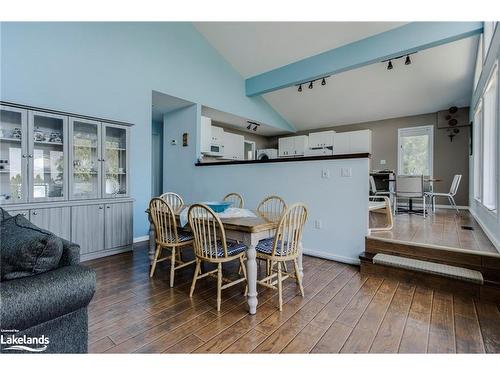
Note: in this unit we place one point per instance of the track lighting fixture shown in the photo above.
(311, 83)
(249, 126)
(407, 60)
(254, 124)
(255, 128)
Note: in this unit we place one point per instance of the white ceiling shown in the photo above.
(163, 103)
(437, 78)
(255, 47)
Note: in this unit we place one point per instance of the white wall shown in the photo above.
(339, 202)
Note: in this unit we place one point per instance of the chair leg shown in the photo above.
(280, 287)
(244, 270)
(219, 285)
(454, 204)
(297, 275)
(195, 277)
(153, 266)
(425, 206)
(172, 267)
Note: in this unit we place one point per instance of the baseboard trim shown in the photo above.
(486, 231)
(141, 239)
(329, 256)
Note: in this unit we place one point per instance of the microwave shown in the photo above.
(216, 150)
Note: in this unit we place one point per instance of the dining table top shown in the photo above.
(261, 221)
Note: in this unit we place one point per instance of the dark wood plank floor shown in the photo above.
(342, 312)
(443, 228)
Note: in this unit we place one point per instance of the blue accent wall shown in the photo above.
(110, 69)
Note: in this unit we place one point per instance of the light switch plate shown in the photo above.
(346, 172)
(318, 224)
(325, 173)
(382, 162)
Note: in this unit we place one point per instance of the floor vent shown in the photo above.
(467, 227)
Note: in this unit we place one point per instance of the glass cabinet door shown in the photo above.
(84, 159)
(115, 145)
(13, 155)
(47, 156)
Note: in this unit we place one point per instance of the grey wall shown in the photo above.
(450, 158)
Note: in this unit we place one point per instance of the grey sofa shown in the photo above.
(52, 304)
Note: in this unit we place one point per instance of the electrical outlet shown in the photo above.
(325, 173)
(318, 224)
(382, 162)
(346, 172)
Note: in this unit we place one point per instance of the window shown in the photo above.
(415, 150)
(489, 142)
(477, 149)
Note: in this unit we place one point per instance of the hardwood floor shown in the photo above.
(342, 312)
(443, 228)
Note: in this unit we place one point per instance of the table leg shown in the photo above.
(299, 261)
(252, 277)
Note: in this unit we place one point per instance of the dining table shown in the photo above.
(247, 230)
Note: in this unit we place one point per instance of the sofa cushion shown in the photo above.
(26, 250)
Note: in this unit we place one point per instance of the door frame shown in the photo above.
(416, 129)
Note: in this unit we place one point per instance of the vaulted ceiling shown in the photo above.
(437, 78)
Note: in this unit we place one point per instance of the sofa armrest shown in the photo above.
(29, 301)
(70, 255)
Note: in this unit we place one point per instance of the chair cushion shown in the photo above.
(183, 236)
(266, 246)
(27, 250)
(233, 248)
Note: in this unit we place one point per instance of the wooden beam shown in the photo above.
(409, 38)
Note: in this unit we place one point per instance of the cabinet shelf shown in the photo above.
(47, 143)
(6, 139)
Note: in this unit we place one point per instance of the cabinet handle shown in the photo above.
(35, 213)
(101, 207)
(108, 206)
(24, 155)
(30, 156)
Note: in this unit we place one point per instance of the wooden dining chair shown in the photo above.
(235, 198)
(284, 247)
(211, 246)
(168, 237)
(272, 208)
(174, 200)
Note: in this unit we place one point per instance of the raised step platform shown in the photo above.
(439, 269)
(467, 272)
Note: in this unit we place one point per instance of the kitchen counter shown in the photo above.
(285, 160)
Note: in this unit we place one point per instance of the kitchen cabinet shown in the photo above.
(234, 146)
(118, 224)
(292, 146)
(53, 219)
(358, 141)
(321, 139)
(87, 220)
(205, 134)
(217, 135)
(115, 161)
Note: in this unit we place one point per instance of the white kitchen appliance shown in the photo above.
(267, 153)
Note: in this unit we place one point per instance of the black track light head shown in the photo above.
(255, 128)
(310, 85)
(323, 82)
(389, 65)
(407, 60)
(300, 88)
(249, 126)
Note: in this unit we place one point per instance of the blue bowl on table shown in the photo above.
(218, 206)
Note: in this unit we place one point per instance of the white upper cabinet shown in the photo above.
(234, 146)
(293, 146)
(321, 139)
(205, 134)
(359, 141)
(217, 135)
